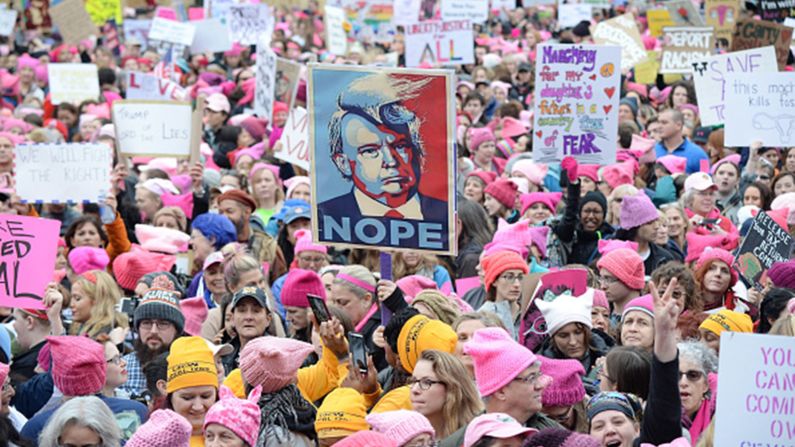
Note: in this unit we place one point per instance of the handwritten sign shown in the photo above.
(153, 128)
(710, 82)
(137, 31)
(623, 32)
(336, 39)
(248, 22)
(371, 20)
(765, 244)
(73, 83)
(760, 33)
(440, 43)
(777, 10)
(73, 21)
(172, 31)
(211, 36)
(147, 86)
(295, 139)
(683, 13)
(658, 19)
(61, 173)
(684, 45)
(646, 71)
(571, 14)
(476, 11)
(755, 389)
(28, 246)
(576, 103)
(8, 19)
(406, 12)
(722, 15)
(266, 83)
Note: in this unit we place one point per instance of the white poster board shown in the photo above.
(684, 45)
(266, 80)
(8, 18)
(440, 43)
(622, 31)
(247, 23)
(570, 14)
(755, 393)
(336, 39)
(151, 87)
(709, 76)
(576, 103)
(212, 36)
(762, 108)
(153, 128)
(295, 139)
(61, 173)
(137, 31)
(172, 31)
(405, 12)
(73, 83)
(476, 11)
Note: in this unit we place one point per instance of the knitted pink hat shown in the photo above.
(165, 428)
(401, 425)
(242, 416)
(697, 243)
(503, 191)
(548, 199)
(162, 239)
(782, 274)
(600, 299)
(78, 365)
(733, 159)
(643, 304)
(195, 312)
(303, 242)
(485, 176)
(4, 369)
(298, 284)
(83, 259)
(637, 210)
(495, 425)
(535, 172)
(478, 136)
(413, 284)
(129, 267)
(673, 163)
(589, 171)
(272, 361)
(618, 174)
(605, 246)
(566, 388)
(497, 358)
(718, 254)
(366, 439)
(626, 265)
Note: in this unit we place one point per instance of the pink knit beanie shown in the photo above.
(78, 365)
(413, 284)
(782, 274)
(718, 254)
(626, 265)
(367, 439)
(272, 362)
(165, 428)
(643, 304)
(497, 358)
(566, 388)
(303, 242)
(618, 174)
(195, 312)
(242, 416)
(548, 199)
(83, 259)
(401, 425)
(637, 210)
(480, 135)
(673, 163)
(503, 191)
(600, 299)
(298, 284)
(4, 369)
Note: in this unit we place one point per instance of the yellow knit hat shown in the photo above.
(234, 381)
(727, 320)
(190, 363)
(421, 334)
(342, 414)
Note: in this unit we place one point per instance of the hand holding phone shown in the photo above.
(358, 349)
(319, 308)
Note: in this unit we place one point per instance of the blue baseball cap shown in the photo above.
(296, 210)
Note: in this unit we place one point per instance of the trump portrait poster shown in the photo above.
(382, 157)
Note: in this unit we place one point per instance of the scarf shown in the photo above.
(707, 409)
(288, 410)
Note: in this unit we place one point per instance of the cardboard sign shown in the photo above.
(622, 31)
(755, 389)
(476, 11)
(247, 22)
(103, 10)
(722, 15)
(153, 128)
(765, 244)
(147, 86)
(407, 204)
(295, 139)
(336, 39)
(759, 33)
(710, 81)
(658, 19)
(8, 19)
(212, 36)
(533, 328)
(73, 21)
(266, 81)
(406, 12)
(288, 75)
(571, 14)
(137, 32)
(683, 13)
(27, 260)
(777, 10)
(646, 71)
(172, 31)
(576, 103)
(440, 43)
(61, 173)
(684, 45)
(73, 83)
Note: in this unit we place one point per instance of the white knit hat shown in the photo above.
(567, 309)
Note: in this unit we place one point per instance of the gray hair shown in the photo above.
(700, 354)
(87, 411)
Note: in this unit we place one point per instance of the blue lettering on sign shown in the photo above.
(383, 232)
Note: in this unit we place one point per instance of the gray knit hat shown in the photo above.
(159, 304)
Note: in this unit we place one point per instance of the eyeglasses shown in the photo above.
(561, 418)
(528, 379)
(510, 277)
(161, 324)
(312, 259)
(607, 280)
(692, 375)
(115, 359)
(424, 383)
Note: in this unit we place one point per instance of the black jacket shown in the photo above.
(581, 245)
(663, 412)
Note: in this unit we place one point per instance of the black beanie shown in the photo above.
(594, 196)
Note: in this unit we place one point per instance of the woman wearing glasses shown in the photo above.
(503, 273)
(698, 382)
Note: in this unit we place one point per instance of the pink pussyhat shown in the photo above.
(165, 428)
(413, 284)
(242, 416)
(498, 359)
(303, 242)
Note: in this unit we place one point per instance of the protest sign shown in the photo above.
(406, 12)
(440, 43)
(684, 45)
(777, 10)
(148, 86)
(137, 32)
(533, 327)
(756, 390)
(410, 203)
(8, 19)
(73, 83)
(765, 244)
(103, 10)
(683, 13)
(571, 14)
(27, 259)
(576, 103)
(476, 11)
(266, 82)
(710, 82)
(288, 75)
(36, 15)
(371, 20)
(751, 33)
(172, 31)
(658, 19)
(211, 36)
(336, 39)
(218, 9)
(153, 128)
(646, 71)
(295, 139)
(62, 173)
(247, 22)
(722, 15)
(623, 32)
(73, 21)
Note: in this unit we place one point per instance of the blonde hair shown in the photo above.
(278, 195)
(360, 273)
(462, 402)
(620, 192)
(784, 326)
(236, 265)
(104, 294)
(442, 307)
(401, 270)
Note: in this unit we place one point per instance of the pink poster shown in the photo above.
(28, 246)
(166, 13)
(195, 14)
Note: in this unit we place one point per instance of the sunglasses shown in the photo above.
(692, 375)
